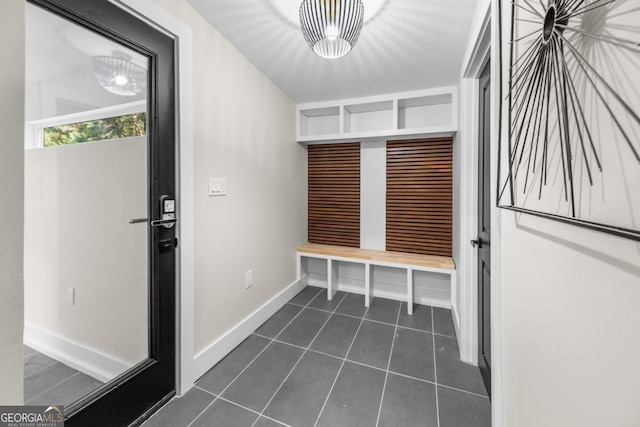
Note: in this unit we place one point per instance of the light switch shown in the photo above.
(217, 187)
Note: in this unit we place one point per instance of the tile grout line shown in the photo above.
(377, 368)
(296, 316)
(342, 359)
(272, 340)
(322, 309)
(306, 350)
(246, 367)
(331, 355)
(29, 354)
(203, 411)
(53, 386)
(435, 367)
(243, 407)
(386, 376)
(380, 322)
(298, 361)
(43, 368)
(335, 380)
(464, 391)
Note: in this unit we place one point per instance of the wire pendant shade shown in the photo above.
(119, 75)
(331, 27)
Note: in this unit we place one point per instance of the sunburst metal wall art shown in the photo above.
(572, 147)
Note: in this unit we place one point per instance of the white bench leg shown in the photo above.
(368, 295)
(332, 280)
(409, 291)
(299, 267)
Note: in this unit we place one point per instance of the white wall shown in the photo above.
(373, 194)
(570, 323)
(78, 203)
(244, 131)
(11, 189)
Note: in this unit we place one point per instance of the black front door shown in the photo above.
(484, 230)
(150, 381)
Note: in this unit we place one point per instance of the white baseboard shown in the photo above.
(208, 358)
(398, 296)
(92, 362)
(456, 325)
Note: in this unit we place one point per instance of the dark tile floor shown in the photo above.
(335, 363)
(49, 382)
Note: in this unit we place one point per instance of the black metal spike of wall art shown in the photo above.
(570, 149)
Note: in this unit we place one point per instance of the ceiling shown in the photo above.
(408, 45)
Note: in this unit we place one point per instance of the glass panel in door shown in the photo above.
(86, 208)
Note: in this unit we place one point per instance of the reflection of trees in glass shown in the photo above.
(97, 130)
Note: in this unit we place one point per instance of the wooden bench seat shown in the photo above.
(368, 257)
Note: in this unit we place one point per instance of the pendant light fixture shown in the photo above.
(331, 27)
(118, 74)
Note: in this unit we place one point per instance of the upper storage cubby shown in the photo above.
(374, 116)
(425, 113)
(319, 121)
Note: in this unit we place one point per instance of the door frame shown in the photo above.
(484, 44)
(156, 374)
(145, 10)
(484, 365)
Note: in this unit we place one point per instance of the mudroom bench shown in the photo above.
(408, 262)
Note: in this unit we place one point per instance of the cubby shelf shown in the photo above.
(425, 113)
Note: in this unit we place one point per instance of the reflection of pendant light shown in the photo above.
(331, 27)
(117, 74)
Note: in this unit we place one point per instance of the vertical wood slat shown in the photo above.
(334, 194)
(419, 196)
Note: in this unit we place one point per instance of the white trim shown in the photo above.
(230, 340)
(87, 360)
(478, 54)
(456, 317)
(150, 12)
(497, 387)
(484, 44)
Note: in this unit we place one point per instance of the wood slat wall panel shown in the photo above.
(419, 196)
(334, 194)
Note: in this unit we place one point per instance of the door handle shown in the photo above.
(168, 211)
(138, 220)
(166, 223)
(477, 242)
